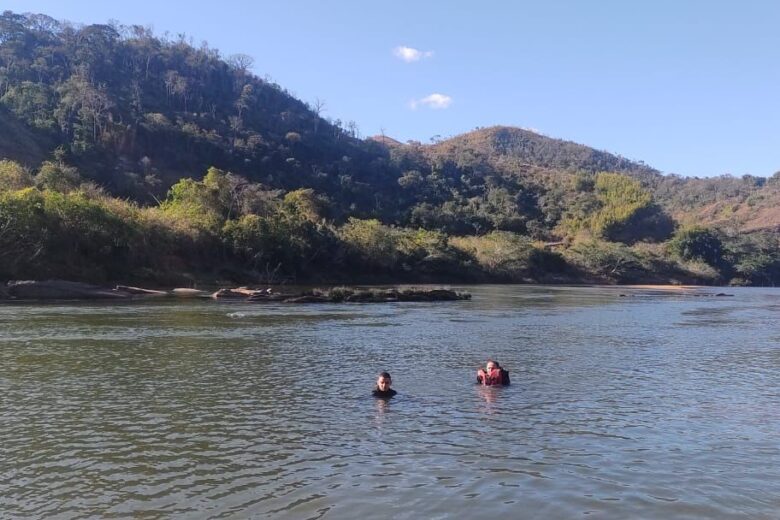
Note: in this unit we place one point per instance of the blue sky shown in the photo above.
(689, 87)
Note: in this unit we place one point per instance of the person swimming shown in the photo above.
(383, 389)
(492, 375)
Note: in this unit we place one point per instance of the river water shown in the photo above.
(636, 406)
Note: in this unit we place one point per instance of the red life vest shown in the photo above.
(497, 376)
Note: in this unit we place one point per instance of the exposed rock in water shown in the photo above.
(345, 294)
(254, 292)
(183, 292)
(60, 290)
(240, 292)
(64, 290)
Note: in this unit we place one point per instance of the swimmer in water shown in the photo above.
(383, 389)
(492, 375)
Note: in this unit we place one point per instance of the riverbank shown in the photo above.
(53, 290)
(34, 290)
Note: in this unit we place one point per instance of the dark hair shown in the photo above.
(494, 362)
(385, 375)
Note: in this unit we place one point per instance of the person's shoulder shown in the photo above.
(388, 393)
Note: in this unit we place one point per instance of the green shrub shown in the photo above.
(13, 176)
(508, 255)
(59, 177)
(199, 206)
(23, 231)
(627, 212)
(698, 243)
(372, 241)
(605, 259)
(279, 241)
(46, 233)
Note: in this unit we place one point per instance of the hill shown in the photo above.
(135, 112)
(527, 148)
(188, 146)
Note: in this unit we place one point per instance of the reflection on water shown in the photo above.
(651, 406)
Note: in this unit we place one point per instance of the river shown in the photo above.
(624, 404)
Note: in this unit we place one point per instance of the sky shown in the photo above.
(689, 87)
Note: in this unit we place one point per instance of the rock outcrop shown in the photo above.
(183, 292)
(60, 290)
(345, 294)
(64, 290)
(240, 292)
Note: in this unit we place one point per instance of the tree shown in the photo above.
(375, 243)
(610, 260)
(245, 100)
(241, 62)
(698, 243)
(627, 212)
(318, 108)
(306, 204)
(83, 110)
(32, 102)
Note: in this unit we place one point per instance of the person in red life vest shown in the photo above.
(383, 389)
(492, 375)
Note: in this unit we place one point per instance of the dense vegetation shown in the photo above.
(134, 157)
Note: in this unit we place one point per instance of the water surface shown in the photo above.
(636, 406)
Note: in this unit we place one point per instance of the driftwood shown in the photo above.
(138, 291)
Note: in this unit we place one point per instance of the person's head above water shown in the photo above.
(490, 365)
(384, 381)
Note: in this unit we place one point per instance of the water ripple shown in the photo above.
(661, 407)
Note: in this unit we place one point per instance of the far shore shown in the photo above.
(32, 290)
(52, 290)
(675, 288)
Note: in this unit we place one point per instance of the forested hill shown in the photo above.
(120, 127)
(135, 113)
(520, 146)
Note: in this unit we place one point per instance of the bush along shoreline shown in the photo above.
(222, 228)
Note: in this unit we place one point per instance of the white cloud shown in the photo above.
(434, 101)
(409, 54)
